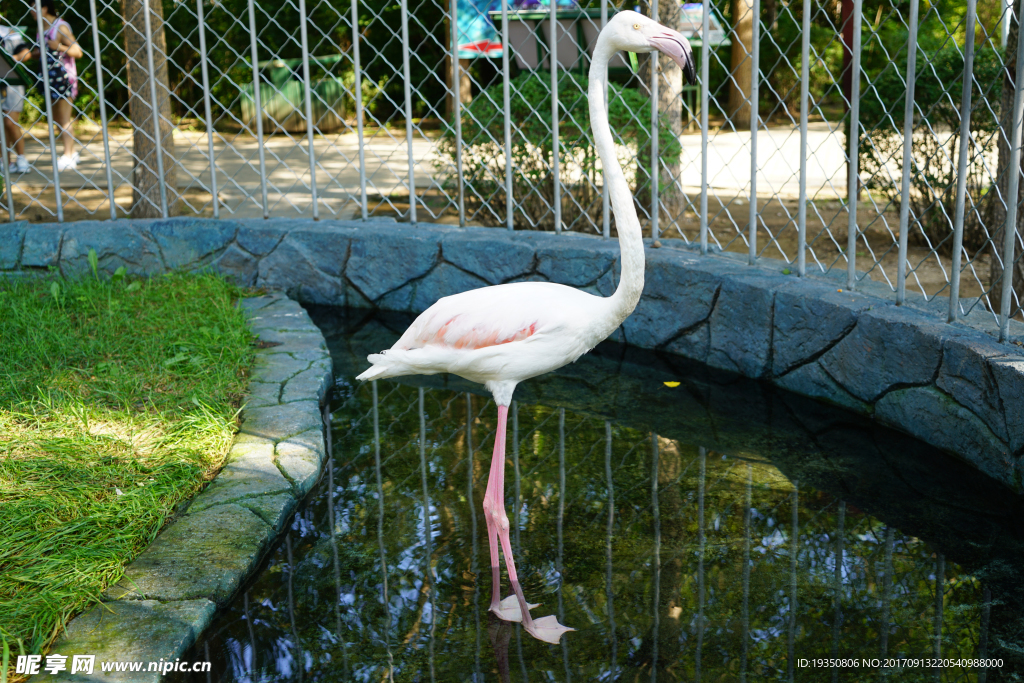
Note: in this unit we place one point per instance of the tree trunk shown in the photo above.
(742, 63)
(671, 198)
(145, 177)
(997, 210)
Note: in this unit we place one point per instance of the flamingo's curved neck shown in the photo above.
(631, 281)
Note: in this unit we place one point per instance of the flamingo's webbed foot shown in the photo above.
(509, 610)
(547, 629)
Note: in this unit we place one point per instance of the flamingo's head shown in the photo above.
(634, 32)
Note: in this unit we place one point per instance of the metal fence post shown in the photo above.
(1012, 199)
(961, 171)
(506, 96)
(606, 218)
(457, 96)
(150, 62)
(49, 116)
(805, 68)
(258, 108)
(6, 167)
(408, 110)
(358, 87)
(853, 181)
(705, 55)
(103, 109)
(655, 161)
(308, 103)
(206, 104)
(755, 121)
(555, 146)
(908, 143)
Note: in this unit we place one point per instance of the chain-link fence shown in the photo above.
(281, 109)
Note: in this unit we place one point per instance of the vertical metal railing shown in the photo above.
(506, 102)
(101, 96)
(655, 134)
(805, 87)
(1012, 197)
(908, 141)
(258, 109)
(853, 160)
(207, 109)
(457, 108)
(755, 124)
(357, 69)
(961, 169)
(556, 147)
(307, 101)
(49, 120)
(705, 55)
(408, 106)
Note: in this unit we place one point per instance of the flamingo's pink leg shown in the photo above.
(546, 628)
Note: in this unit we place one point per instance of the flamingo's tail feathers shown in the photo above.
(384, 366)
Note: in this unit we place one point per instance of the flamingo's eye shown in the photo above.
(636, 26)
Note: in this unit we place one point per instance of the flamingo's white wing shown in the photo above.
(508, 331)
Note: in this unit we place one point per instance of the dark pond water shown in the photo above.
(715, 529)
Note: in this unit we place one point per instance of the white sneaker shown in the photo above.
(67, 163)
(19, 165)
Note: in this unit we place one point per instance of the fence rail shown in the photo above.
(759, 158)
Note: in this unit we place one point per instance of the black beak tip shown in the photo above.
(691, 68)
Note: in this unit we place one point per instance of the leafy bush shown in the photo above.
(936, 140)
(483, 156)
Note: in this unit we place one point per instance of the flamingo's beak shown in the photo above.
(678, 48)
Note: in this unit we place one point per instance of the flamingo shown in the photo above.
(502, 335)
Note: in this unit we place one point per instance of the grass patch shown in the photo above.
(118, 399)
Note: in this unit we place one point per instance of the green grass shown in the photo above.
(118, 399)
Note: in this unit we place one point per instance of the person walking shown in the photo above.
(12, 100)
(61, 50)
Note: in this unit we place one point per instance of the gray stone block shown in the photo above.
(202, 555)
(398, 299)
(41, 246)
(1009, 376)
(935, 418)
(327, 249)
(573, 264)
(809, 319)
(263, 394)
(695, 343)
(674, 300)
(273, 509)
(248, 474)
(279, 422)
(444, 280)
(307, 384)
(291, 269)
(136, 630)
(116, 243)
(276, 368)
(301, 457)
(253, 304)
(259, 239)
(489, 254)
(966, 374)
(812, 380)
(238, 266)
(302, 343)
(888, 346)
(741, 326)
(383, 260)
(188, 242)
(11, 237)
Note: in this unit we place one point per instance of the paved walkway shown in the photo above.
(387, 164)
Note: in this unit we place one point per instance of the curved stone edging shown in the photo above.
(170, 593)
(952, 386)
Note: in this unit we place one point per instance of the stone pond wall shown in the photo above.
(953, 386)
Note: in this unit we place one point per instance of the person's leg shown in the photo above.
(62, 116)
(16, 97)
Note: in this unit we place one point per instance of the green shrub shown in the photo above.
(936, 140)
(483, 156)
